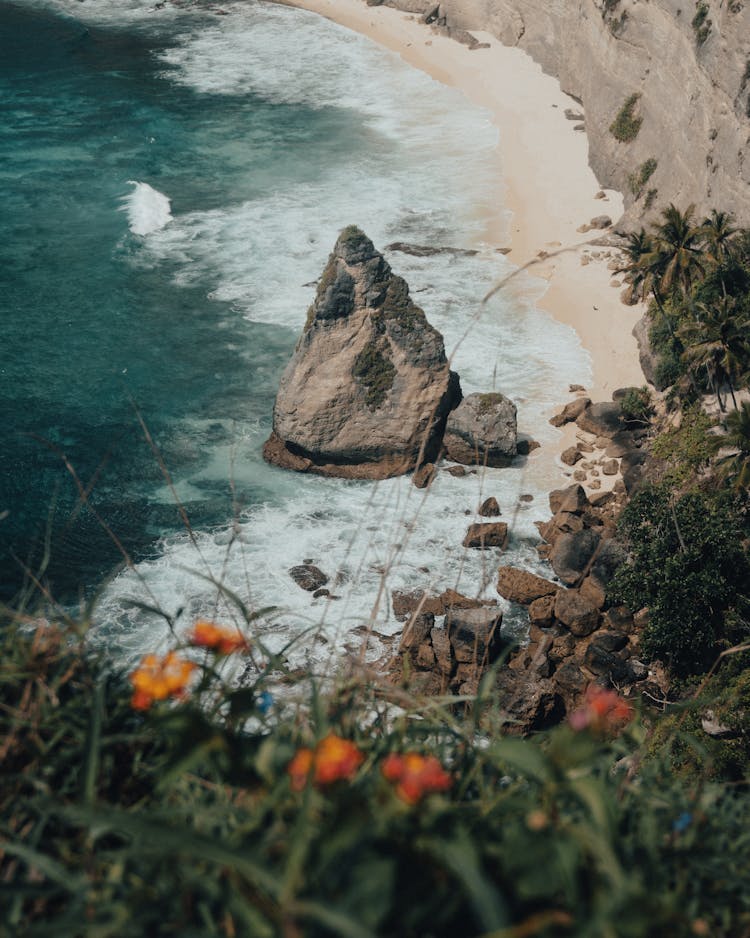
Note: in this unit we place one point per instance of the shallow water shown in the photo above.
(173, 181)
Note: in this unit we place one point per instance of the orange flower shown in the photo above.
(415, 775)
(222, 640)
(602, 711)
(333, 759)
(159, 678)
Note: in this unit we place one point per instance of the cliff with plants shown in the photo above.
(664, 84)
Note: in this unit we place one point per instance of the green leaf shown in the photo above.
(523, 756)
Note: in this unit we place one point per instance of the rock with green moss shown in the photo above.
(483, 431)
(368, 389)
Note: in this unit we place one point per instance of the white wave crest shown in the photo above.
(147, 209)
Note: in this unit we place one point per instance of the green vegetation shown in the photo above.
(687, 449)
(636, 406)
(688, 566)
(373, 369)
(701, 23)
(650, 199)
(637, 180)
(358, 812)
(626, 125)
(488, 401)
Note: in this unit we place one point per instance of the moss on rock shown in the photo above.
(375, 371)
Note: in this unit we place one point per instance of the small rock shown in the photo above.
(416, 632)
(526, 446)
(601, 221)
(610, 467)
(423, 476)
(308, 577)
(595, 484)
(487, 534)
(474, 634)
(610, 641)
(321, 592)
(576, 613)
(570, 412)
(618, 618)
(426, 656)
(442, 647)
(520, 586)
(489, 508)
(571, 455)
(572, 499)
(580, 475)
(457, 471)
(542, 611)
(573, 388)
(572, 115)
(600, 195)
(526, 498)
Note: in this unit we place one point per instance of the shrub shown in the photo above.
(700, 22)
(686, 449)
(636, 405)
(637, 180)
(686, 563)
(627, 123)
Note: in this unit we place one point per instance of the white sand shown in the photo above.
(548, 184)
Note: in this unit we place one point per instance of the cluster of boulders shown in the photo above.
(607, 446)
(448, 640)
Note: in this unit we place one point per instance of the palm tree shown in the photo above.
(718, 233)
(717, 343)
(736, 466)
(680, 251)
(639, 244)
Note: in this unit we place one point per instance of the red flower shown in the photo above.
(603, 711)
(220, 639)
(332, 760)
(415, 776)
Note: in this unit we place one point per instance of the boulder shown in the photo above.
(527, 703)
(308, 577)
(407, 603)
(368, 388)
(474, 634)
(610, 641)
(648, 358)
(610, 467)
(610, 557)
(416, 632)
(441, 646)
(572, 499)
(619, 618)
(570, 412)
(601, 662)
(482, 431)
(571, 455)
(489, 508)
(520, 586)
(542, 611)
(576, 613)
(572, 553)
(486, 534)
(604, 419)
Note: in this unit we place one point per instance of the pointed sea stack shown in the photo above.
(368, 390)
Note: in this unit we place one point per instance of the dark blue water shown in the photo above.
(87, 337)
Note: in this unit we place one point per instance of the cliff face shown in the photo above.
(687, 63)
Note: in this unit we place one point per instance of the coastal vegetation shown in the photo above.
(171, 801)
(628, 122)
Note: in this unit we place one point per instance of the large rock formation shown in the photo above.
(368, 389)
(682, 71)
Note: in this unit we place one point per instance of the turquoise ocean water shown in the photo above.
(172, 179)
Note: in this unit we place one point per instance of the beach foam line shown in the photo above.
(147, 209)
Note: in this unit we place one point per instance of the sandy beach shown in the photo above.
(547, 183)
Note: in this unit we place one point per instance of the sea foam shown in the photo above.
(148, 209)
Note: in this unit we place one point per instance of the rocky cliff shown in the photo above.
(368, 389)
(665, 86)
